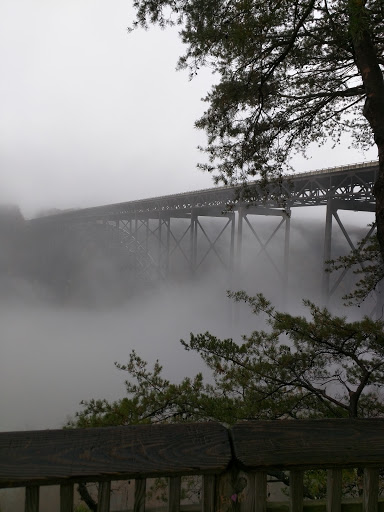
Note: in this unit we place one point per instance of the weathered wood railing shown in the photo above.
(234, 463)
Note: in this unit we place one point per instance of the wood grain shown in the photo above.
(371, 490)
(260, 491)
(104, 497)
(51, 456)
(209, 493)
(140, 489)
(296, 490)
(66, 497)
(334, 481)
(174, 493)
(309, 443)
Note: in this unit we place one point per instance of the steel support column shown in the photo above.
(232, 251)
(193, 241)
(136, 248)
(327, 250)
(159, 249)
(286, 256)
(168, 246)
(239, 248)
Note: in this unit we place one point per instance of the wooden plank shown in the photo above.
(260, 491)
(235, 491)
(334, 481)
(32, 495)
(243, 489)
(51, 456)
(104, 496)
(140, 489)
(209, 493)
(66, 497)
(296, 490)
(224, 492)
(370, 490)
(174, 493)
(329, 443)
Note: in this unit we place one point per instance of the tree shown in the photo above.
(324, 366)
(290, 73)
(367, 264)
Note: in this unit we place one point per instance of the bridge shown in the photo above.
(154, 231)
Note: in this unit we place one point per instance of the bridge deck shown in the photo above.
(350, 184)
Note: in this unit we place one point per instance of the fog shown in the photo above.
(59, 349)
(93, 115)
(90, 116)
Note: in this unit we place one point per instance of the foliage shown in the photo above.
(290, 73)
(297, 367)
(315, 481)
(81, 508)
(366, 263)
(321, 366)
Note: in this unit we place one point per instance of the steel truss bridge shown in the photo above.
(155, 231)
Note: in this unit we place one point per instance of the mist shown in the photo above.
(59, 347)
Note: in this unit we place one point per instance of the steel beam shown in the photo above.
(147, 223)
(327, 251)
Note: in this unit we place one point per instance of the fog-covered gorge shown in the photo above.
(56, 352)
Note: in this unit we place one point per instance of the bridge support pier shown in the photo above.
(244, 221)
(327, 251)
(333, 205)
(287, 239)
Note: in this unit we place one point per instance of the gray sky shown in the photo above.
(93, 115)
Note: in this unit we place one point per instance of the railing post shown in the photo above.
(239, 491)
(174, 488)
(104, 496)
(334, 479)
(260, 491)
(224, 492)
(66, 497)
(140, 489)
(371, 489)
(296, 490)
(209, 492)
(32, 494)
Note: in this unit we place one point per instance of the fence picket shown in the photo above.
(174, 488)
(334, 479)
(140, 488)
(32, 494)
(296, 490)
(209, 490)
(104, 496)
(260, 482)
(371, 489)
(66, 497)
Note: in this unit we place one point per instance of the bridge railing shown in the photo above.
(234, 463)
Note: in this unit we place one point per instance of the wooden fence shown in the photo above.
(234, 463)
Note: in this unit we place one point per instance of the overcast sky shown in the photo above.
(91, 114)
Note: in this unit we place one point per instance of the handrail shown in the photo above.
(234, 462)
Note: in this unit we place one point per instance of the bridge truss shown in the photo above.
(162, 231)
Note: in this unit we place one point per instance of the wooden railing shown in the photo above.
(234, 463)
